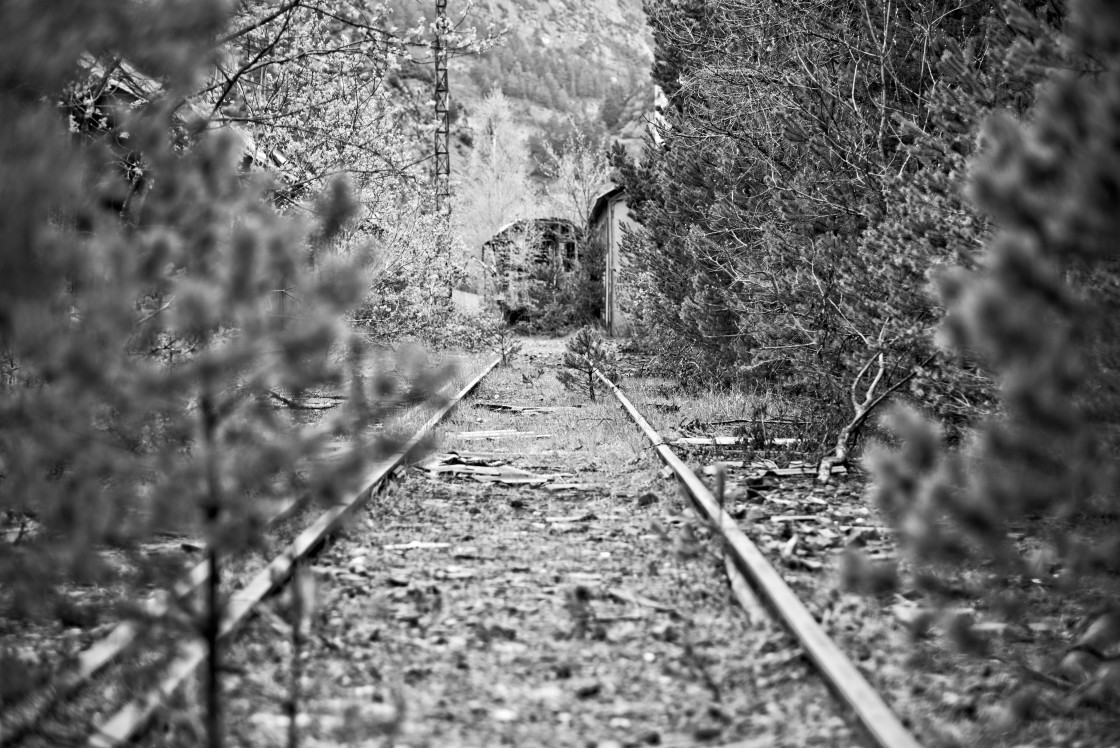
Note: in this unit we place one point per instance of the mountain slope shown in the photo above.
(585, 60)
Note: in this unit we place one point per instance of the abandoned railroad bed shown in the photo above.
(542, 579)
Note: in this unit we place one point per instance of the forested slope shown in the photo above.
(555, 61)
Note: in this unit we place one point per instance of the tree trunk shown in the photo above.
(212, 510)
(213, 659)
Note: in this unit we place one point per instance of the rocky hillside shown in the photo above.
(558, 59)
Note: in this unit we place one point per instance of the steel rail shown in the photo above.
(131, 719)
(120, 638)
(839, 672)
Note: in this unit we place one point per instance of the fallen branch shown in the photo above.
(847, 436)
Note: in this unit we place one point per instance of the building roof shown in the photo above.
(524, 221)
(128, 80)
(599, 204)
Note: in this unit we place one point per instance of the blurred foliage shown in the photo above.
(161, 293)
(1039, 311)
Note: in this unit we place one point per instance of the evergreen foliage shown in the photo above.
(807, 180)
(1039, 311)
(155, 304)
(559, 300)
(587, 353)
(499, 337)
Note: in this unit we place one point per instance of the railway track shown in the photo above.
(92, 661)
(502, 627)
(844, 679)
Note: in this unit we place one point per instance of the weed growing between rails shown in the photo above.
(501, 339)
(586, 353)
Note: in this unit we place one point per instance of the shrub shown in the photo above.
(559, 302)
(587, 353)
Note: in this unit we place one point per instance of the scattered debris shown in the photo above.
(312, 402)
(730, 441)
(800, 518)
(488, 470)
(769, 467)
(558, 487)
(416, 545)
(584, 517)
(526, 410)
(499, 434)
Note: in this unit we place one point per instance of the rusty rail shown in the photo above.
(838, 671)
(131, 719)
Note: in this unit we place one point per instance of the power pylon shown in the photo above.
(443, 116)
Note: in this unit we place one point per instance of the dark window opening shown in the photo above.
(569, 255)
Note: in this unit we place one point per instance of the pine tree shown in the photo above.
(777, 169)
(587, 353)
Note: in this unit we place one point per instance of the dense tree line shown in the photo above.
(861, 201)
(792, 137)
(549, 76)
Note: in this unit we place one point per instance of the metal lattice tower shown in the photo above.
(443, 116)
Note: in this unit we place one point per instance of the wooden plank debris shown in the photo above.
(585, 517)
(416, 545)
(485, 470)
(495, 471)
(527, 410)
(513, 480)
(769, 467)
(498, 434)
(558, 487)
(728, 441)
